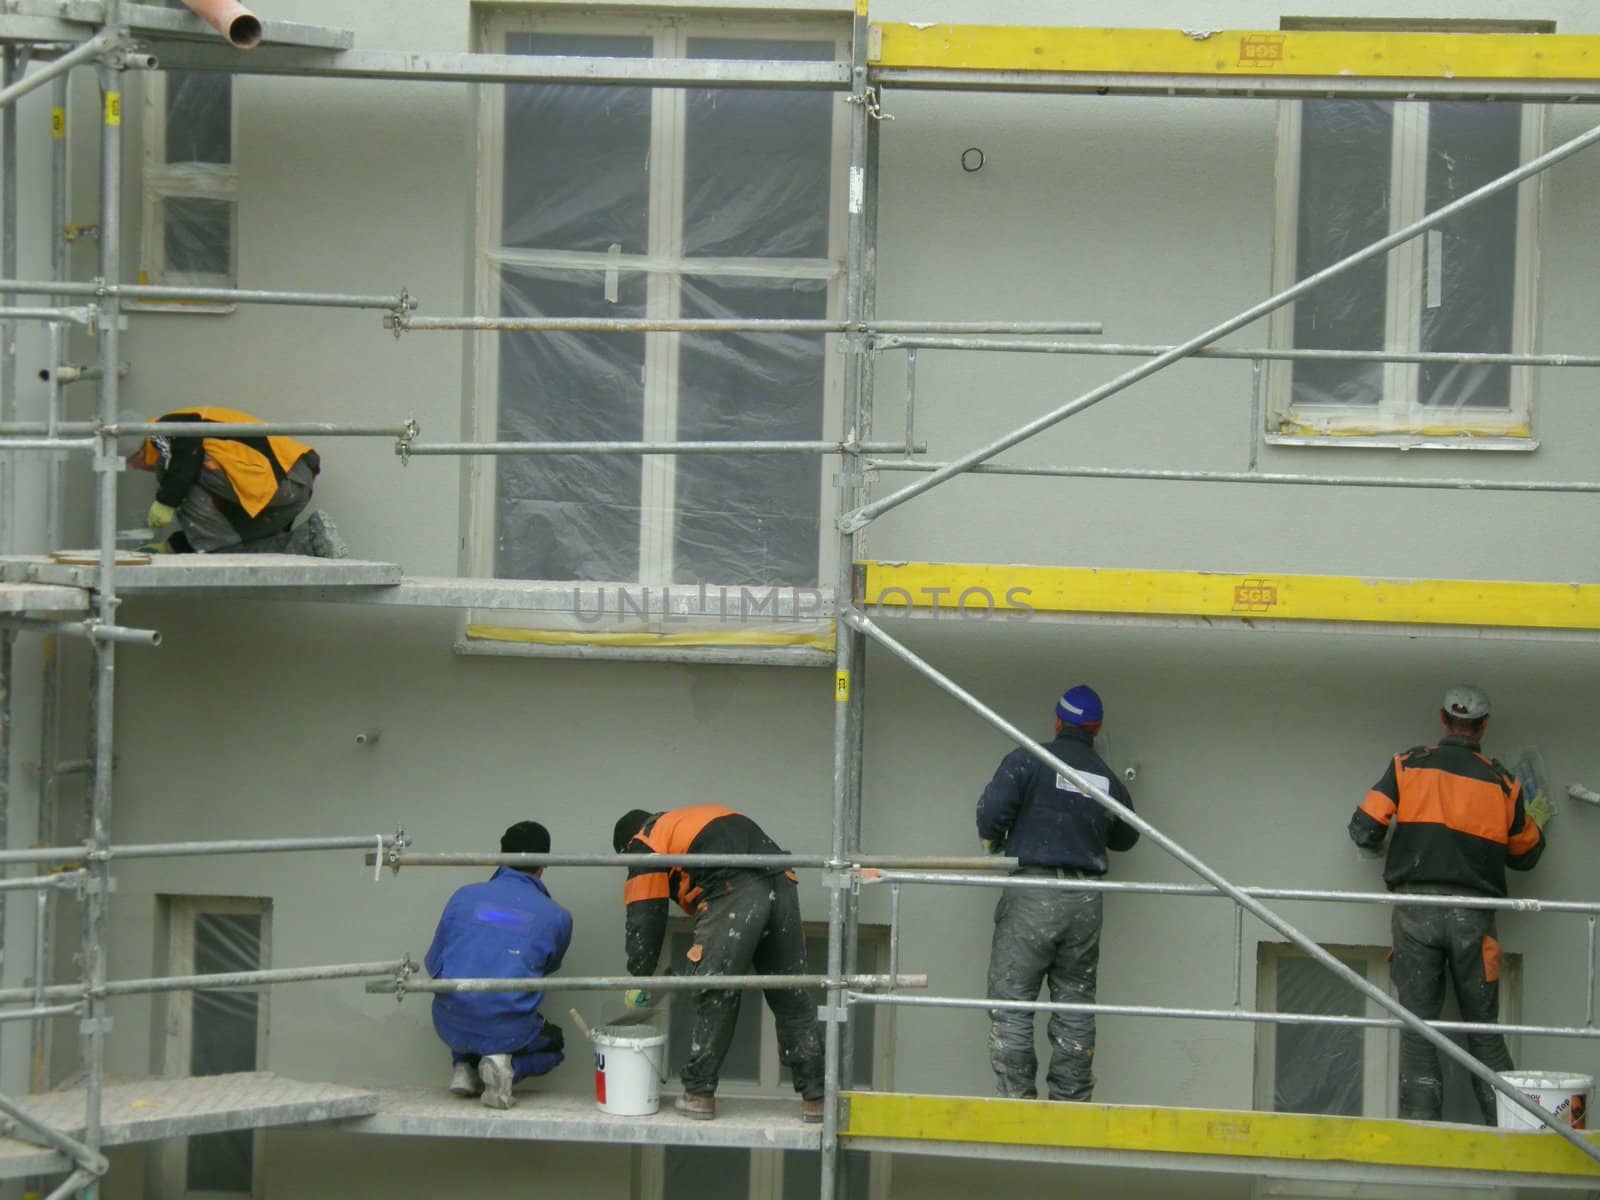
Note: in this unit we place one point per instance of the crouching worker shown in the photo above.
(746, 921)
(233, 494)
(505, 928)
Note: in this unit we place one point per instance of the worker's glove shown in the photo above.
(161, 515)
(993, 845)
(1539, 810)
(636, 998)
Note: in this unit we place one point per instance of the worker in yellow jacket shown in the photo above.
(233, 494)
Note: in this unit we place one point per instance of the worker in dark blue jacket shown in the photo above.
(505, 928)
(1054, 830)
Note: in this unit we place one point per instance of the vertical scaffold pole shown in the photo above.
(107, 464)
(846, 724)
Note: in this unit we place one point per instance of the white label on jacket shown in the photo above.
(1100, 781)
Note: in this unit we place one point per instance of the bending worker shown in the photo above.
(504, 928)
(239, 494)
(1459, 821)
(746, 921)
(1055, 831)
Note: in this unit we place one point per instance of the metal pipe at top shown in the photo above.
(755, 861)
(1284, 354)
(1262, 913)
(402, 301)
(663, 983)
(260, 429)
(868, 513)
(593, 448)
(728, 325)
(1272, 478)
(1310, 895)
(101, 43)
(246, 846)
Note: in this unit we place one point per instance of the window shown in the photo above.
(1351, 171)
(191, 186)
(752, 1069)
(213, 1033)
(625, 202)
(1347, 1070)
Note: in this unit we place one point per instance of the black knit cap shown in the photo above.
(525, 837)
(630, 823)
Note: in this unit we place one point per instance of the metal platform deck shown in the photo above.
(206, 572)
(1275, 1145)
(148, 1110)
(555, 1117)
(76, 20)
(41, 598)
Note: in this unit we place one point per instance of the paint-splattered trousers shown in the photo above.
(754, 929)
(214, 522)
(1429, 944)
(1043, 934)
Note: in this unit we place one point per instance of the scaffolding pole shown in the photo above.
(102, 290)
(868, 513)
(851, 325)
(1256, 909)
(95, 48)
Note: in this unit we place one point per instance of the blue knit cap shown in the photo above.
(1080, 706)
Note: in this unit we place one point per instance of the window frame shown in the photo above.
(162, 181)
(670, 32)
(174, 1017)
(1380, 1047)
(1400, 421)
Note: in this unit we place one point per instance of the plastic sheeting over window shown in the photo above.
(190, 182)
(224, 1034)
(1366, 167)
(626, 202)
(1318, 1068)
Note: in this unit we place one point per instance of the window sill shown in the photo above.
(1359, 440)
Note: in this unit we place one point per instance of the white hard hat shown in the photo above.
(1466, 702)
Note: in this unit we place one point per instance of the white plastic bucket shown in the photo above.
(627, 1069)
(1563, 1096)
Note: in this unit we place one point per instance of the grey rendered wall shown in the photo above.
(1154, 217)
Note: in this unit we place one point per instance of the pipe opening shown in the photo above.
(244, 31)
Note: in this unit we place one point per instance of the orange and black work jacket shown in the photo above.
(1458, 820)
(253, 466)
(703, 829)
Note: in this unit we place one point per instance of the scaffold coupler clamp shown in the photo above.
(407, 970)
(408, 434)
(394, 319)
(401, 841)
(872, 98)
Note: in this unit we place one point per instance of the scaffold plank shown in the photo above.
(1216, 1140)
(1020, 591)
(21, 1159)
(181, 572)
(41, 598)
(76, 20)
(148, 1110)
(1231, 53)
(747, 1123)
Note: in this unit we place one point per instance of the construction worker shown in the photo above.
(1459, 821)
(232, 494)
(746, 921)
(505, 928)
(1056, 831)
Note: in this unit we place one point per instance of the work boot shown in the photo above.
(811, 1111)
(317, 536)
(495, 1071)
(697, 1106)
(464, 1080)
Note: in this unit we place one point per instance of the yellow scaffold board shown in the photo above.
(1257, 1135)
(1237, 52)
(1257, 594)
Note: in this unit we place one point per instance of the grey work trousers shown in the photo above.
(754, 930)
(214, 522)
(1042, 934)
(1429, 944)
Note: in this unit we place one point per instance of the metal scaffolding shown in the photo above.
(111, 36)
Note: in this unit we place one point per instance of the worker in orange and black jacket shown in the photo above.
(746, 921)
(234, 493)
(1459, 821)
